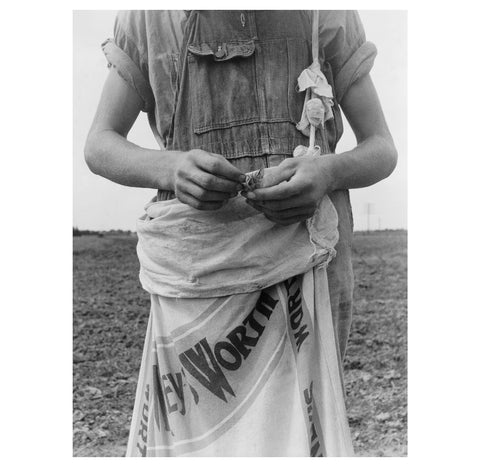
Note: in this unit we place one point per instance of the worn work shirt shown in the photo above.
(225, 82)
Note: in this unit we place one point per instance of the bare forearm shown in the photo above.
(295, 187)
(112, 156)
(371, 161)
(375, 156)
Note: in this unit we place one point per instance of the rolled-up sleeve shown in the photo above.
(350, 55)
(126, 53)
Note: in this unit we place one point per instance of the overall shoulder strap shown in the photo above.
(315, 24)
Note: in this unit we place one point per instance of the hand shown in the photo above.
(291, 191)
(205, 181)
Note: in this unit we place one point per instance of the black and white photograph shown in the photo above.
(240, 233)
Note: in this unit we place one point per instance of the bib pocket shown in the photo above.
(222, 83)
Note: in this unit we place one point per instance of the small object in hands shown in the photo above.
(253, 180)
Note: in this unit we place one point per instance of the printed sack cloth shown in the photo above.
(240, 356)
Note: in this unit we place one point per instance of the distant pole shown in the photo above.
(369, 210)
(369, 206)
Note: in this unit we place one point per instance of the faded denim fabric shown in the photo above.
(225, 82)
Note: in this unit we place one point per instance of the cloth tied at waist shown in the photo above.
(188, 253)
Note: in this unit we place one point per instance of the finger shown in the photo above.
(186, 198)
(277, 192)
(219, 166)
(212, 183)
(275, 175)
(206, 195)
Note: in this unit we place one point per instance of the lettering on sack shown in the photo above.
(142, 432)
(314, 440)
(160, 409)
(207, 364)
(295, 311)
(169, 389)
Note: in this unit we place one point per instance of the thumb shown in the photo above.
(274, 175)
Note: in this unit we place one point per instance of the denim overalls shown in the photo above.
(225, 82)
(237, 97)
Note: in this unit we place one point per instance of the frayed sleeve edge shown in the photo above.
(129, 72)
(357, 66)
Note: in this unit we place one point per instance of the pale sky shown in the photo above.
(100, 204)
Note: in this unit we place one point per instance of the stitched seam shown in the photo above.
(246, 121)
